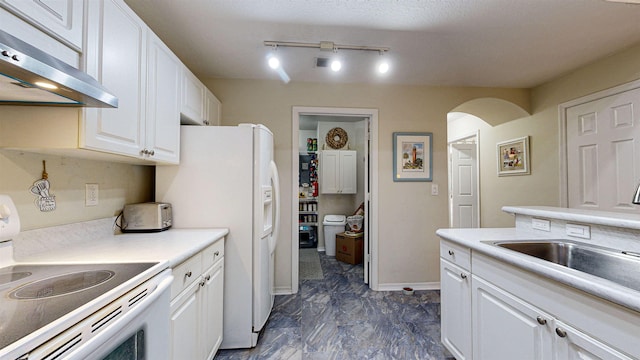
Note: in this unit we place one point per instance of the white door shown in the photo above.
(572, 344)
(603, 163)
(464, 186)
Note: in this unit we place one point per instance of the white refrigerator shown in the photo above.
(227, 178)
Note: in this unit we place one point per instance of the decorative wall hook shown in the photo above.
(45, 201)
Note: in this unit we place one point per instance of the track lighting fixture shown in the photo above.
(274, 63)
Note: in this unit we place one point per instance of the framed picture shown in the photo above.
(412, 156)
(513, 157)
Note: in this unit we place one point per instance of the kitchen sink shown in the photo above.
(620, 267)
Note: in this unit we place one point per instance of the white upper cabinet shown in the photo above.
(192, 107)
(198, 105)
(214, 108)
(163, 102)
(61, 19)
(338, 172)
(116, 57)
(130, 61)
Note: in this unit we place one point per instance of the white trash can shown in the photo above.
(333, 224)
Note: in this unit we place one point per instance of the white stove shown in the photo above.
(80, 311)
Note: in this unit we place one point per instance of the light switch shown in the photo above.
(434, 189)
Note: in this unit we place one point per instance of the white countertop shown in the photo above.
(174, 246)
(475, 240)
(606, 218)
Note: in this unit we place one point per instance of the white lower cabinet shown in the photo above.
(497, 311)
(455, 310)
(504, 327)
(197, 305)
(573, 344)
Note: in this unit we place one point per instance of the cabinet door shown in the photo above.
(507, 328)
(193, 96)
(329, 172)
(116, 56)
(455, 302)
(348, 184)
(163, 103)
(212, 309)
(185, 319)
(61, 19)
(213, 109)
(571, 344)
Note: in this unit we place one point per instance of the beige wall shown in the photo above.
(118, 184)
(408, 246)
(408, 249)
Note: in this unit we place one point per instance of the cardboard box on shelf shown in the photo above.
(350, 248)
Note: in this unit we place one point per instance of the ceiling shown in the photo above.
(494, 43)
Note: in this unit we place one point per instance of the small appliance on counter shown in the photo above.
(146, 217)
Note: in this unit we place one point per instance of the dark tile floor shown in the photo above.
(341, 318)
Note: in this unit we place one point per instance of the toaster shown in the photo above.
(146, 217)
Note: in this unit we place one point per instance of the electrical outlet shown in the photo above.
(91, 195)
(540, 224)
(577, 230)
(434, 189)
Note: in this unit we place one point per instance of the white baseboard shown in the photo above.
(415, 286)
(321, 248)
(283, 291)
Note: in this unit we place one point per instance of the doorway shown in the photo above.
(464, 198)
(366, 138)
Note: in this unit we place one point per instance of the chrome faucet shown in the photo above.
(636, 197)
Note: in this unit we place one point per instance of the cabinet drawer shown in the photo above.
(212, 254)
(456, 254)
(185, 274)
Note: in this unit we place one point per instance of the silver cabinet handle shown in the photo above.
(188, 274)
(216, 253)
(463, 275)
(561, 332)
(208, 277)
(451, 252)
(541, 320)
(203, 282)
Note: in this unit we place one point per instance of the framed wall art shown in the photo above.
(513, 157)
(412, 156)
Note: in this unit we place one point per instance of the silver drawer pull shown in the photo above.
(541, 320)
(463, 275)
(451, 252)
(561, 333)
(188, 274)
(216, 253)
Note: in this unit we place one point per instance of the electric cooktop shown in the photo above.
(33, 296)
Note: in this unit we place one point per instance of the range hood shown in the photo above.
(29, 76)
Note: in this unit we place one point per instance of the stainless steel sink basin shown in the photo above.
(620, 267)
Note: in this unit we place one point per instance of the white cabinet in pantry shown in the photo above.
(118, 56)
(338, 172)
(197, 305)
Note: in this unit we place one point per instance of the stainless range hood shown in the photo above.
(29, 76)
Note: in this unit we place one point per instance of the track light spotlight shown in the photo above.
(336, 65)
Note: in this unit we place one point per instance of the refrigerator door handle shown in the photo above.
(276, 203)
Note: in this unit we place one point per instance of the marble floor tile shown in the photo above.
(340, 318)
